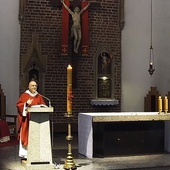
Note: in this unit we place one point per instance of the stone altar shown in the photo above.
(86, 123)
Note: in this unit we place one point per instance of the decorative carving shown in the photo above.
(104, 64)
(104, 102)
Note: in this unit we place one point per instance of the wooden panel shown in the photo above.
(13, 123)
(151, 100)
(2, 104)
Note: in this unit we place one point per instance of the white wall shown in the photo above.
(136, 81)
(162, 44)
(9, 52)
(136, 38)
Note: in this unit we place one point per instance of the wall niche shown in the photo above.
(33, 66)
(104, 77)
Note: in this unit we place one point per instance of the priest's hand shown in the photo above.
(29, 101)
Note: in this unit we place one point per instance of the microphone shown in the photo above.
(46, 98)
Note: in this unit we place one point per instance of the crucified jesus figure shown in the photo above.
(76, 27)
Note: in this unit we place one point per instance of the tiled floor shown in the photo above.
(9, 159)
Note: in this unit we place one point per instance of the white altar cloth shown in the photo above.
(85, 126)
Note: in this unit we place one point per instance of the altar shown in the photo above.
(94, 134)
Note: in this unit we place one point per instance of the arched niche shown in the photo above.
(104, 77)
(33, 66)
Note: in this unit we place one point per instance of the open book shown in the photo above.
(40, 105)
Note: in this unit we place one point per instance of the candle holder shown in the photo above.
(160, 111)
(151, 69)
(69, 163)
(166, 105)
(166, 111)
(160, 104)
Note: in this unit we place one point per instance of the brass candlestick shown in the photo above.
(69, 163)
(160, 104)
(166, 104)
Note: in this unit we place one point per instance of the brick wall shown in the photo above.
(45, 21)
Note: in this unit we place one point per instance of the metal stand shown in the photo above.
(69, 163)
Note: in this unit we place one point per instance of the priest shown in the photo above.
(29, 98)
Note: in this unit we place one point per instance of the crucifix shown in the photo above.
(78, 45)
(76, 26)
(76, 31)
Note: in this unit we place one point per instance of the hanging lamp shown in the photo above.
(151, 56)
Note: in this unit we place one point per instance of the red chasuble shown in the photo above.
(85, 31)
(23, 121)
(65, 29)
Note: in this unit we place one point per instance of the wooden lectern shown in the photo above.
(39, 142)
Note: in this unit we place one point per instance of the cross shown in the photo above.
(73, 55)
(57, 4)
(64, 49)
(85, 50)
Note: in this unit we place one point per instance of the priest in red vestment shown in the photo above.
(29, 98)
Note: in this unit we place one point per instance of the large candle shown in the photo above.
(69, 90)
(160, 104)
(69, 74)
(166, 104)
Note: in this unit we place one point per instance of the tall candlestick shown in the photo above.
(69, 90)
(160, 104)
(166, 104)
(69, 163)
